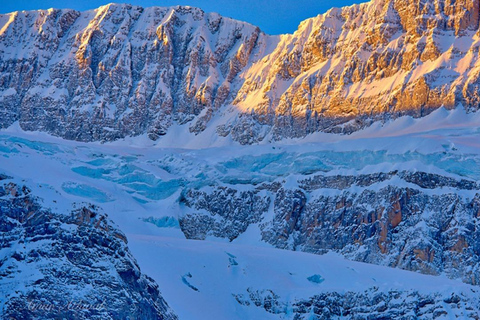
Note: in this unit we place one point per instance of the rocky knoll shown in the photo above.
(123, 70)
(74, 266)
(371, 304)
(411, 220)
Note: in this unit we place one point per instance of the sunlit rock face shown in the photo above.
(124, 70)
(74, 265)
(374, 61)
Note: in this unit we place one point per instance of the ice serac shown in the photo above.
(120, 70)
(344, 69)
(123, 70)
(68, 266)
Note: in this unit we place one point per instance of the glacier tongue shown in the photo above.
(241, 281)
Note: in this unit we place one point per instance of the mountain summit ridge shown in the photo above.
(123, 70)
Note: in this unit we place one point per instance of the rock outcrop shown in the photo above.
(410, 220)
(371, 304)
(74, 266)
(229, 212)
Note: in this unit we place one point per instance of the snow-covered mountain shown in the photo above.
(219, 152)
(123, 70)
(374, 61)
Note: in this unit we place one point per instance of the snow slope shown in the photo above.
(220, 272)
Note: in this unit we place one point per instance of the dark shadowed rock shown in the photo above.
(74, 266)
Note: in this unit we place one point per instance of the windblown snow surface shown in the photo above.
(138, 183)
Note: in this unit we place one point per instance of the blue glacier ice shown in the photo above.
(85, 191)
(163, 222)
(316, 278)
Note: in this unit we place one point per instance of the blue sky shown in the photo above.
(272, 16)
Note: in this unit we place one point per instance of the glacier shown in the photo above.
(159, 196)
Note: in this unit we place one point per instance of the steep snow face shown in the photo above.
(120, 70)
(124, 70)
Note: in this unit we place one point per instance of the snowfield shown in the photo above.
(219, 272)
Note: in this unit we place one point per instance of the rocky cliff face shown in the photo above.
(68, 266)
(123, 70)
(374, 61)
(229, 212)
(120, 70)
(411, 220)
